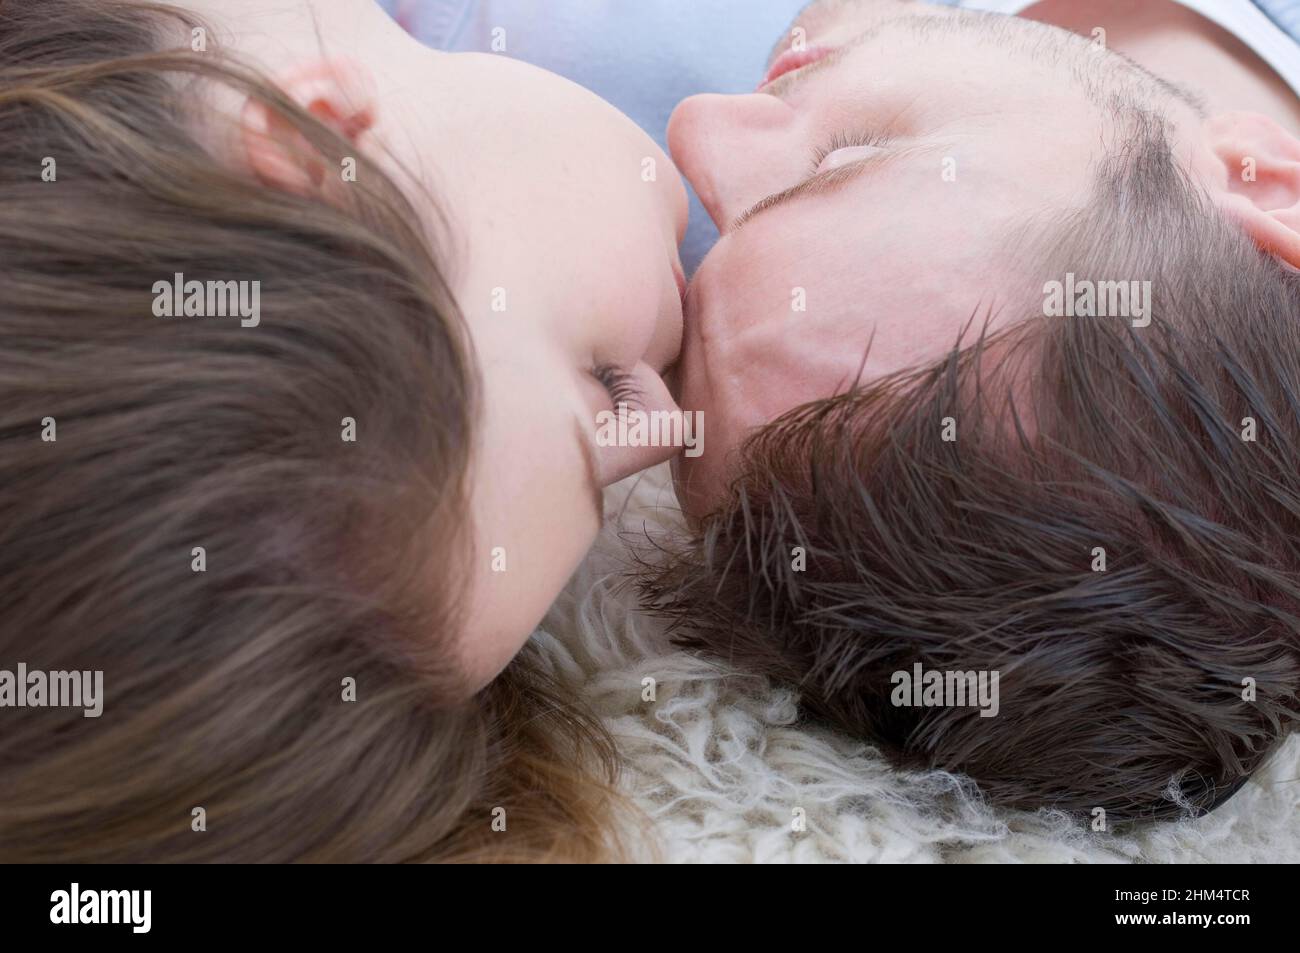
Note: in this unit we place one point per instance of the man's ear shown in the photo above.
(338, 92)
(1256, 181)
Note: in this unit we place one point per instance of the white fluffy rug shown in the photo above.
(724, 766)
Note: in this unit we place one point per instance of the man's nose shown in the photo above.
(735, 150)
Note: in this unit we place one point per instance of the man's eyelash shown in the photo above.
(846, 140)
(619, 383)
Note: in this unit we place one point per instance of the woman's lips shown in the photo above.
(791, 60)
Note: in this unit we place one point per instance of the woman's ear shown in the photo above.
(338, 92)
(1256, 179)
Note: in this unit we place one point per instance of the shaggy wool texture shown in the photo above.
(724, 765)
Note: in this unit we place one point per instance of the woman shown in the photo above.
(301, 548)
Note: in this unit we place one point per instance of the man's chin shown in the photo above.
(833, 22)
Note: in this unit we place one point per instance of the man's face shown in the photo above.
(874, 197)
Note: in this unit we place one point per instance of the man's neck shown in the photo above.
(1178, 44)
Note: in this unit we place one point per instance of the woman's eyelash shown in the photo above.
(621, 384)
(846, 140)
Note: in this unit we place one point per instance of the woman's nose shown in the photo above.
(735, 150)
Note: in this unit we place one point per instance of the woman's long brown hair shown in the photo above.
(326, 560)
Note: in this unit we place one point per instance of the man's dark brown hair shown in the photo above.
(1150, 688)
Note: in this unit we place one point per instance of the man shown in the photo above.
(998, 352)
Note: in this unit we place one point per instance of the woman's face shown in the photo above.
(563, 220)
(570, 218)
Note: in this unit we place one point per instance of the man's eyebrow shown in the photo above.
(821, 184)
(594, 490)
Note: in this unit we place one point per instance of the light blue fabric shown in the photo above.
(644, 56)
(1285, 13)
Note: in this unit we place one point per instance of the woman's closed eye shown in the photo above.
(620, 383)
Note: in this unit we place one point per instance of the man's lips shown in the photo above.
(791, 60)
